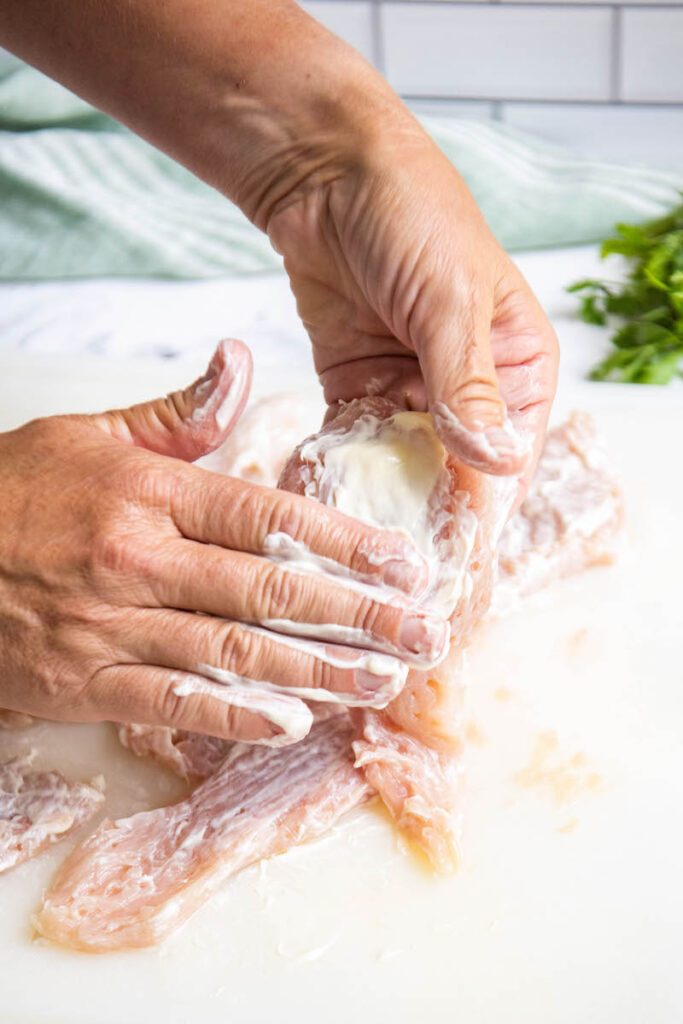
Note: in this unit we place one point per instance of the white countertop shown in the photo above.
(137, 338)
(561, 912)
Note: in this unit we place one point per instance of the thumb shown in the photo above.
(190, 423)
(469, 413)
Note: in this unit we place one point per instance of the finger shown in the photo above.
(190, 423)
(251, 659)
(527, 365)
(233, 585)
(396, 377)
(291, 529)
(533, 419)
(155, 695)
(452, 341)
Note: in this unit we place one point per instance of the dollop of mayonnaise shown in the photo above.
(383, 472)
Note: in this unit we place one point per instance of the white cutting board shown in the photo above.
(559, 913)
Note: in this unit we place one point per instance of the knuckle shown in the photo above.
(52, 429)
(278, 591)
(230, 722)
(60, 687)
(41, 431)
(371, 618)
(283, 513)
(124, 478)
(115, 551)
(237, 649)
(137, 478)
(110, 550)
(475, 389)
(322, 676)
(170, 707)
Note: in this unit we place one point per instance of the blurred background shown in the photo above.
(604, 78)
(564, 118)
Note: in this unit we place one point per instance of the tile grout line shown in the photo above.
(377, 28)
(535, 5)
(615, 56)
(673, 105)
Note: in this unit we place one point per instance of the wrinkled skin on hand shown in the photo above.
(405, 292)
(110, 545)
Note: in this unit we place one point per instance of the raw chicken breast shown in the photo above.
(38, 808)
(387, 466)
(410, 753)
(191, 755)
(572, 516)
(134, 881)
(569, 520)
(417, 783)
(264, 438)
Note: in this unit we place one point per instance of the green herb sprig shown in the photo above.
(649, 303)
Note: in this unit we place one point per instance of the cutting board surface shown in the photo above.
(568, 905)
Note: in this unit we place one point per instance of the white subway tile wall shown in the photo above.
(652, 61)
(602, 76)
(350, 19)
(490, 51)
(618, 132)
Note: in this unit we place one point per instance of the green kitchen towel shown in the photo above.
(82, 197)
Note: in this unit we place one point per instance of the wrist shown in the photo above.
(318, 125)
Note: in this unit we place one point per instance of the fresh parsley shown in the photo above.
(648, 341)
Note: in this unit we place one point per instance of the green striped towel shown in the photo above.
(82, 197)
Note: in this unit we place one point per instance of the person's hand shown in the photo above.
(401, 284)
(109, 546)
(405, 291)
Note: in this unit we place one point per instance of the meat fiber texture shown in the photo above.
(38, 808)
(264, 438)
(191, 755)
(572, 517)
(136, 880)
(408, 752)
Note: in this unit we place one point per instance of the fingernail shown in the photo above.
(274, 736)
(379, 690)
(508, 447)
(425, 635)
(495, 449)
(204, 387)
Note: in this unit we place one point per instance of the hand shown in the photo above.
(109, 545)
(405, 291)
(402, 286)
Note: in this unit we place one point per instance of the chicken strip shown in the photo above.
(387, 466)
(136, 880)
(572, 517)
(191, 755)
(264, 438)
(417, 783)
(38, 808)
